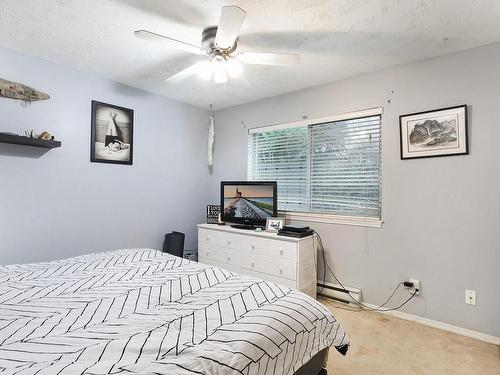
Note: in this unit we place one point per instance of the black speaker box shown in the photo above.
(174, 244)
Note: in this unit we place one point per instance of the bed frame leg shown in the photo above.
(324, 371)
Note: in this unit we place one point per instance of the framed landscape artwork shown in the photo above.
(441, 132)
(111, 134)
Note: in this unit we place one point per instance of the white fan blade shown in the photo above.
(153, 37)
(231, 19)
(184, 74)
(265, 58)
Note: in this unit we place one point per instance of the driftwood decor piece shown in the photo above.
(18, 91)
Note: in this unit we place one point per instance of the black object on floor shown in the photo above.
(191, 255)
(174, 244)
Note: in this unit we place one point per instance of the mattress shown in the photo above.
(141, 311)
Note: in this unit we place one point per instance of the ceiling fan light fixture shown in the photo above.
(219, 44)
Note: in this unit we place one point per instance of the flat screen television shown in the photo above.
(248, 203)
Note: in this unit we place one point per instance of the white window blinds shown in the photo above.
(329, 167)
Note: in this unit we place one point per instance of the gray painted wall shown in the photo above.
(441, 214)
(58, 204)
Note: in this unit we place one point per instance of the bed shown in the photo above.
(141, 311)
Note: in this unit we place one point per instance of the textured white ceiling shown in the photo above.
(336, 39)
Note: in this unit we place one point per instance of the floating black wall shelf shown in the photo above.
(27, 141)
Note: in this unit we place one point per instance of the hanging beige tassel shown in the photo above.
(211, 138)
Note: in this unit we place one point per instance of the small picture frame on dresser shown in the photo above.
(274, 224)
(213, 213)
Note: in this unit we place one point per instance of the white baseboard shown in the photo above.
(444, 326)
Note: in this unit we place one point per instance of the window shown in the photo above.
(326, 167)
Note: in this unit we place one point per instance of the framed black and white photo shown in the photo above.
(441, 132)
(111, 134)
(273, 224)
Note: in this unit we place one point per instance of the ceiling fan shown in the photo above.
(219, 44)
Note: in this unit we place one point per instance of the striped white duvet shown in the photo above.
(140, 311)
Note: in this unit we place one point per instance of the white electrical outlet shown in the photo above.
(470, 297)
(416, 287)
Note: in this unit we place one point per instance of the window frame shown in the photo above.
(330, 218)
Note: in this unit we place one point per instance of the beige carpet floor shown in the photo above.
(382, 344)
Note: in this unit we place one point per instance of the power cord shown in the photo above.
(379, 308)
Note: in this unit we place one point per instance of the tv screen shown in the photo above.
(248, 202)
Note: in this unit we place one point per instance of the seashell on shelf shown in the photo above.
(46, 136)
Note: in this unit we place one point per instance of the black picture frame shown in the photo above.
(99, 151)
(461, 132)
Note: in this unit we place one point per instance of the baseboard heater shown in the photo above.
(338, 293)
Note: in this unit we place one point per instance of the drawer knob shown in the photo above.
(228, 243)
(252, 263)
(281, 251)
(281, 271)
(208, 238)
(253, 246)
(208, 252)
(228, 259)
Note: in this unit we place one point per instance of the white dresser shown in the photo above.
(284, 260)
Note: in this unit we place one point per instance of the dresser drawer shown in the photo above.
(251, 244)
(251, 273)
(281, 268)
(229, 267)
(221, 254)
(274, 279)
(216, 253)
(273, 248)
(222, 239)
(210, 236)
